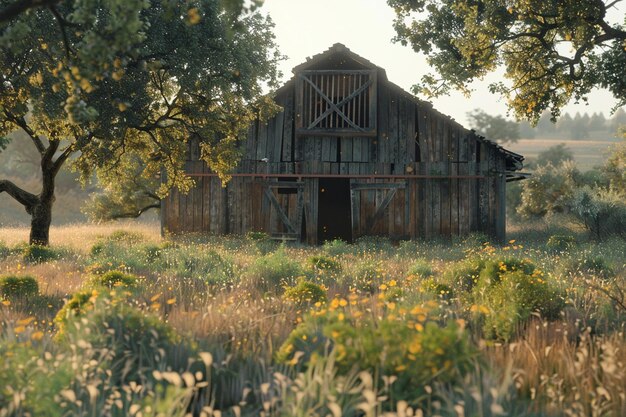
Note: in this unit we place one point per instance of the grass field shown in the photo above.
(116, 320)
(587, 153)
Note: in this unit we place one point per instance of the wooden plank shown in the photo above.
(422, 124)
(326, 144)
(288, 129)
(261, 149)
(380, 210)
(411, 133)
(355, 209)
(436, 196)
(394, 134)
(345, 145)
(472, 194)
(377, 185)
(500, 190)
(454, 200)
(356, 149)
(492, 191)
(465, 200)
(427, 201)
(383, 125)
(445, 203)
(279, 210)
(276, 137)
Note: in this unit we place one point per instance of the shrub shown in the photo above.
(305, 293)
(273, 271)
(324, 264)
(431, 286)
(336, 247)
(421, 269)
(596, 266)
(512, 298)
(124, 236)
(560, 242)
(114, 279)
(4, 251)
(367, 276)
(418, 353)
(601, 212)
(39, 254)
(18, 287)
(136, 343)
(76, 306)
(464, 274)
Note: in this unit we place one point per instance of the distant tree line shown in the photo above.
(585, 126)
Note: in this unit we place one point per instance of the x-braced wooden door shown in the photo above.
(369, 204)
(286, 200)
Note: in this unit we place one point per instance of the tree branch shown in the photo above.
(28, 200)
(21, 122)
(135, 214)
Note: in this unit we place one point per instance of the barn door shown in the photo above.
(369, 202)
(286, 200)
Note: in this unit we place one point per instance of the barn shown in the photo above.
(350, 155)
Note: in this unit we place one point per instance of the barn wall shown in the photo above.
(412, 138)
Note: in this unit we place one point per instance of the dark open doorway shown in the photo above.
(335, 219)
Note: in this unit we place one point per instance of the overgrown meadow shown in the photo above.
(124, 323)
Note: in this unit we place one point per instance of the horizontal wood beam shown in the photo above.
(363, 176)
(379, 186)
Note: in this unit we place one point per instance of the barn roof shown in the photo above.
(340, 56)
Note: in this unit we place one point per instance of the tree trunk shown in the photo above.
(41, 213)
(41, 217)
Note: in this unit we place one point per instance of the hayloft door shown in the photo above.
(369, 204)
(286, 200)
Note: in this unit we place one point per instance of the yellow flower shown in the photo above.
(37, 336)
(343, 302)
(382, 287)
(193, 16)
(392, 283)
(400, 368)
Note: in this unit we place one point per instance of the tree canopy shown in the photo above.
(103, 80)
(551, 51)
(494, 127)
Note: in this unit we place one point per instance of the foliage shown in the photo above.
(551, 51)
(78, 304)
(114, 279)
(19, 287)
(555, 155)
(601, 212)
(127, 91)
(39, 254)
(587, 265)
(274, 271)
(324, 264)
(421, 268)
(493, 127)
(305, 293)
(615, 168)
(549, 190)
(560, 242)
(415, 348)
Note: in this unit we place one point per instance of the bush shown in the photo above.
(324, 264)
(4, 251)
(305, 293)
(39, 254)
(421, 269)
(560, 242)
(114, 279)
(136, 343)
(18, 287)
(76, 306)
(336, 247)
(273, 271)
(601, 212)
(512, 297)
(418, 353)
(464, 275)
(367, 276)
(438, 289)
(595, 266)
(124, 236)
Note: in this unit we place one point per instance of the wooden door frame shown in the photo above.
(294, 230)
(355, 200)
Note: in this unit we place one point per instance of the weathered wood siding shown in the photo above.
(412, 139)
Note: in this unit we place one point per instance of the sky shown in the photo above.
(307, 27)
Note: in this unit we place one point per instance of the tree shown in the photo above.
(551, 51)
(102, 81)
(493, 127)
(555, 155)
